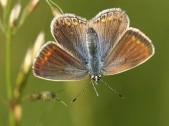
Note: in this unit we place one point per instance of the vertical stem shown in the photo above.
(12, 121)
(8, 53)
(8, 64)
(8, 74)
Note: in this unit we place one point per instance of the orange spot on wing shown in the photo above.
(45, 58)
(133, 38)
(110, 18)
(138, 42)
(75, 23)
(49, 53)
(68, 23)
(103, 20)
(142, 45)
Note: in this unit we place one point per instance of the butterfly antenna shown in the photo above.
(80, 93)
(94, 88)
(62, 102)
(120, 95)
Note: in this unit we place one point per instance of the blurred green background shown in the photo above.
(146, 88)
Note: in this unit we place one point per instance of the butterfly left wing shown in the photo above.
(55, 63)
(133, 49)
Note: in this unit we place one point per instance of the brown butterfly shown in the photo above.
(104, 45)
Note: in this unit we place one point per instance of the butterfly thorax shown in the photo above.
(94, 65)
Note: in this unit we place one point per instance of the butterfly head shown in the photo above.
(95, 78)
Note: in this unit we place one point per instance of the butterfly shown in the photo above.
(102, 46)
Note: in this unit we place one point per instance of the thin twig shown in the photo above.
(55, 8)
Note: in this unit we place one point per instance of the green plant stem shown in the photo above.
(12, 121)
(8, 54)
(8, 74)
(8, 64)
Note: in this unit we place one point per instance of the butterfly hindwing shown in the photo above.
(133, 49)
(55, 63)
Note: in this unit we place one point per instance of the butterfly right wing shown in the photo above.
(110, 25)
(55, 63)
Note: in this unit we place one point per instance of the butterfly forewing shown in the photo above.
(55, 63)
(70, 31)
(133, 49)
(109, 25)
